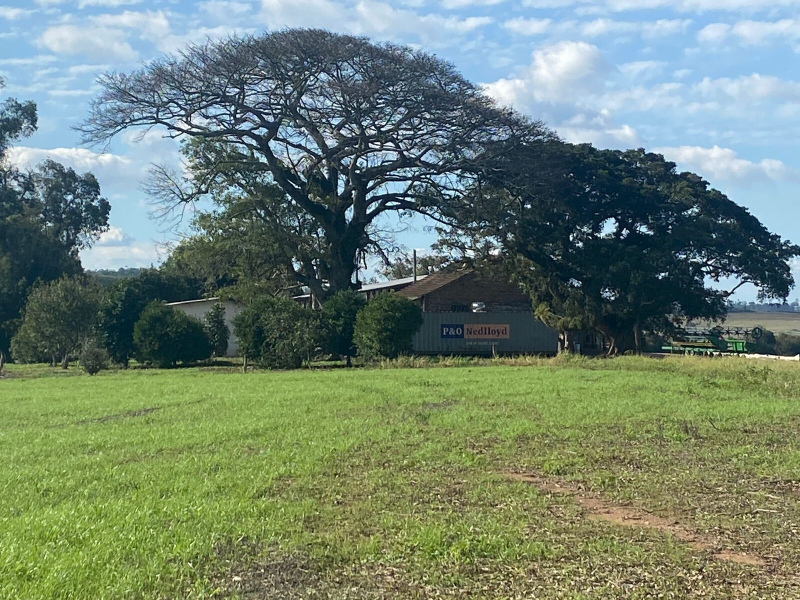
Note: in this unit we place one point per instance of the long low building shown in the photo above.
(465, 312)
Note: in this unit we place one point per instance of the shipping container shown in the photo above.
(451, 333)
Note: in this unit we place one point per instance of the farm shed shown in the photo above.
(468, 312)
(199, 308)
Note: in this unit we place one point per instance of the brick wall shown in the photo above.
(497, 293)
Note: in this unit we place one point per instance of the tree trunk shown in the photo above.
(244, 364)
(637, 339)
(65, 361)
(348, 361)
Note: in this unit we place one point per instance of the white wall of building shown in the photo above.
(199, 308)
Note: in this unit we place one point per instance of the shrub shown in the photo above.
(164, 337)
(217, 330)
(787, 345)
(765, 344)
(277, 333)
(94, 358)
(386, 326)
(339, 315)
(125, 300)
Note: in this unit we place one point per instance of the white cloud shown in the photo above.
(106, 3)
(726, 165)
(78, 158)
(150, 24)
(129, 254)
(749, 88)
(647, 29)
(225, 10)
(118, 175)
(308, 13)
(640, 98)
(642, 69)
(115, 236)
(751, 33)
(524, 26)
(465, 3)
(78, 70)
(11, 13)
(562, 70)
(622, 137)
(94, 42)
(25, 61)
(565, 85)
(369, 17)
(684, 6)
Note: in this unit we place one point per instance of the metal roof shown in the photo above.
(382, 285)
(215, 299)
(432, 283)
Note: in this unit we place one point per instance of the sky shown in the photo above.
(711, 84)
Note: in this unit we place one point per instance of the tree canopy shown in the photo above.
(619, 241)
(46, 217)
(324, 134)
(59, 316)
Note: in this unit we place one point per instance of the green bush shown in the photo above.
(217, 330)
(765, 344)
(163, 337)
(339, 321)
(386, 326)
(94, 358)
(277, 333)
(124, 302)
(787, 345)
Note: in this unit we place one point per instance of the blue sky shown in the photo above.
(712, 84)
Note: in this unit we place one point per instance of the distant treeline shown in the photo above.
(109, 276)
(742, 306)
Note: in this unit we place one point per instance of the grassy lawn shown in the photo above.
(403, 483)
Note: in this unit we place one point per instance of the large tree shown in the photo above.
(46, 217)
(326, 133)
(621, 242)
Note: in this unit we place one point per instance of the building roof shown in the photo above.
(215, 299)
(393, 283)
(432, 283)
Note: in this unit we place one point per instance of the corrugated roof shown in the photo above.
(432, 283)
(382, 285)
(193, 301)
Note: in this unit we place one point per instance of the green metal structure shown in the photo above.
(713, 342)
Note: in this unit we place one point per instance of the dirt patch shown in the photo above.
(131, 414)
(600, 509)
(434, 406)
(297, 577)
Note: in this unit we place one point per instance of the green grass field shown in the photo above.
(641, 478)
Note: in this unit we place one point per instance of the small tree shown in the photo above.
(94, 357)
(217, 330)
(164, 337)
(386, 326)
(339, 314)
(58, 317)
(277, 333)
